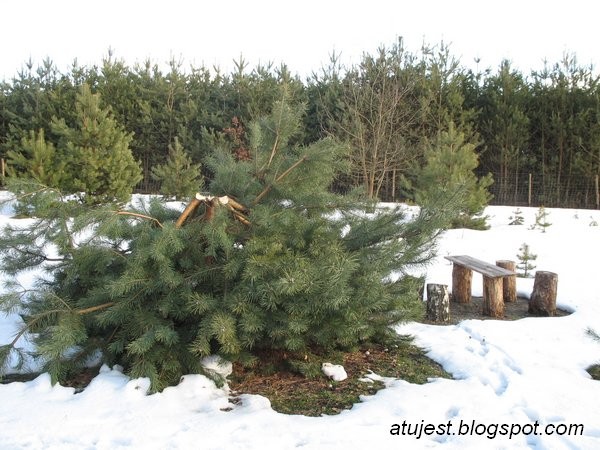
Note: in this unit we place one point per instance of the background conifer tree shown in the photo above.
(37, 159)
(274, 263)
(91, 155)
(448, 177)
(96, 152)
(178, 176)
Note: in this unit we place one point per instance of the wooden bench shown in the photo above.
(493, 286)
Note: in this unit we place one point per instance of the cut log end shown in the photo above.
(211, 202)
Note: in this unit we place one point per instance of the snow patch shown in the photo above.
(334, 371)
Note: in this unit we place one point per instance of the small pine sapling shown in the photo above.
(541, 219)
(517, 218)
(593, 223)
(525, 257)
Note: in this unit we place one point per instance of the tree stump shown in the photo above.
(509, 283)
(493, 305)
(543, 297)
(461, 284)
(438, 303)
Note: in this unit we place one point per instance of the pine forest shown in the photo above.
(536, 136)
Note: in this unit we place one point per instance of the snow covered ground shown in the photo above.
(519, 384)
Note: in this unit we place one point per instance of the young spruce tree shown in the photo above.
(274, 263)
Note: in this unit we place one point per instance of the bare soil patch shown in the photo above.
(473, 310)
(293, 393)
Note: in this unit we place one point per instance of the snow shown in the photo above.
(334, 371)
(514, 381)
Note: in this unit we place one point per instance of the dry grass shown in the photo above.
(292, 393)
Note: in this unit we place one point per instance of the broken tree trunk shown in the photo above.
(461, 284)
(543, 297)
(189, 209)
(493, 305)
(509, 283)
(438, 303)
(237, 209)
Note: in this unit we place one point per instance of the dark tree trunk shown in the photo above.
(543, 297)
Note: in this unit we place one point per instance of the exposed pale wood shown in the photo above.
(484, 268)
(189, 209)
(236, 208)
(236, 205)
(273, 150)
(139, 216)
(438, 303)
(209, 214)
(94, 308)
(493, 305)
(238, 215)
(509, 282)
(268, 188)
(461, 284)
(543, 297)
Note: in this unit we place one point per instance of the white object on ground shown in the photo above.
(334, 371)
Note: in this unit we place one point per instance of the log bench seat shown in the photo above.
(494, 291)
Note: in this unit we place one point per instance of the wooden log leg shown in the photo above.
(461, 284)
(493, 305)
(438, 303)
(543, 297)
(509, 283)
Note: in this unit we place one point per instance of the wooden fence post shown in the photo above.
(438, 303)
(543, 297)
(597, 193)
(529, 191)
(509, 283)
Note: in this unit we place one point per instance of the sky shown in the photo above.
(301, 34)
